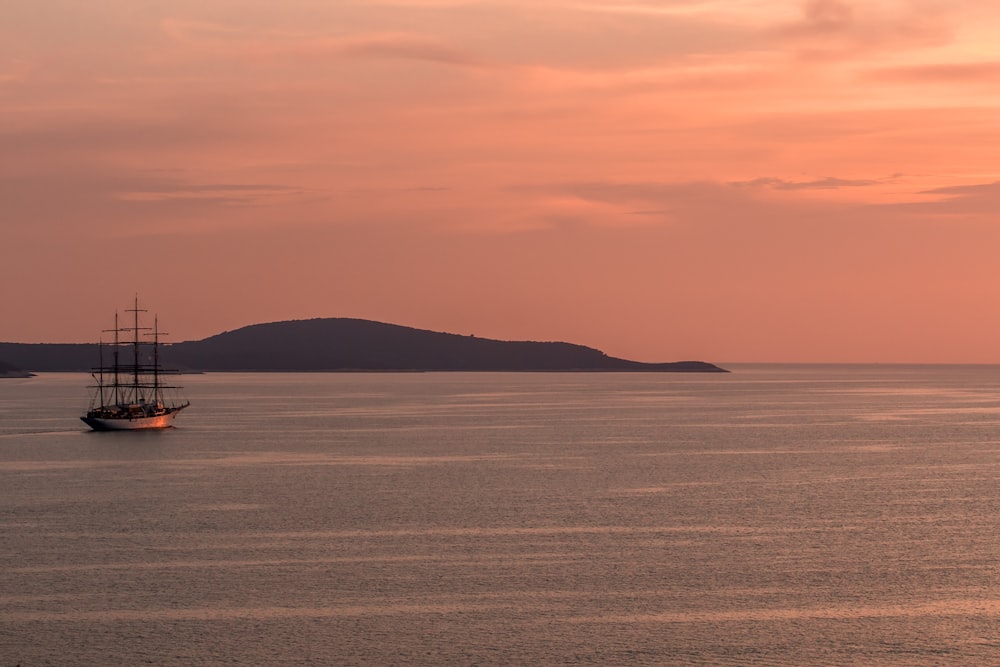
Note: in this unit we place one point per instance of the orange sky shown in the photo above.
(729, 180)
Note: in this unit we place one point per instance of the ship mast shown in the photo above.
(100, 371)
(137, 396)
(135, 351)
(156, 359)
(117, 386)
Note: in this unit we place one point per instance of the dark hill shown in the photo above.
(341, 344)
(351, 344)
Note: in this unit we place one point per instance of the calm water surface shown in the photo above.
(773, 516)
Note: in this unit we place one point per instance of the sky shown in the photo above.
(723, 180)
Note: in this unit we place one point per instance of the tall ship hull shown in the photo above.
(130, 392)
(101, 421)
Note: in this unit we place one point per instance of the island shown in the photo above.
(348, 344)
(11, 371)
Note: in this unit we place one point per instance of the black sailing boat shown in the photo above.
(129, 394)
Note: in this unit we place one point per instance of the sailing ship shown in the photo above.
(130, 391)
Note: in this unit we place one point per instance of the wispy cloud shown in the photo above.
(676, 7)
(692, 201)
(670, 201)
(977, 190)
(824, 17)
(224, 40)
(828, 183)
(829, 29)
(404, 47)
(980, 199)
(985, 72)
(187, 29)
(228, 193)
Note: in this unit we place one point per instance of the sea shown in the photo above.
(775, 515)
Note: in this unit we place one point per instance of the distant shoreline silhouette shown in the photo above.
(347, 344)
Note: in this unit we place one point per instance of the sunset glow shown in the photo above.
(725, 180)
